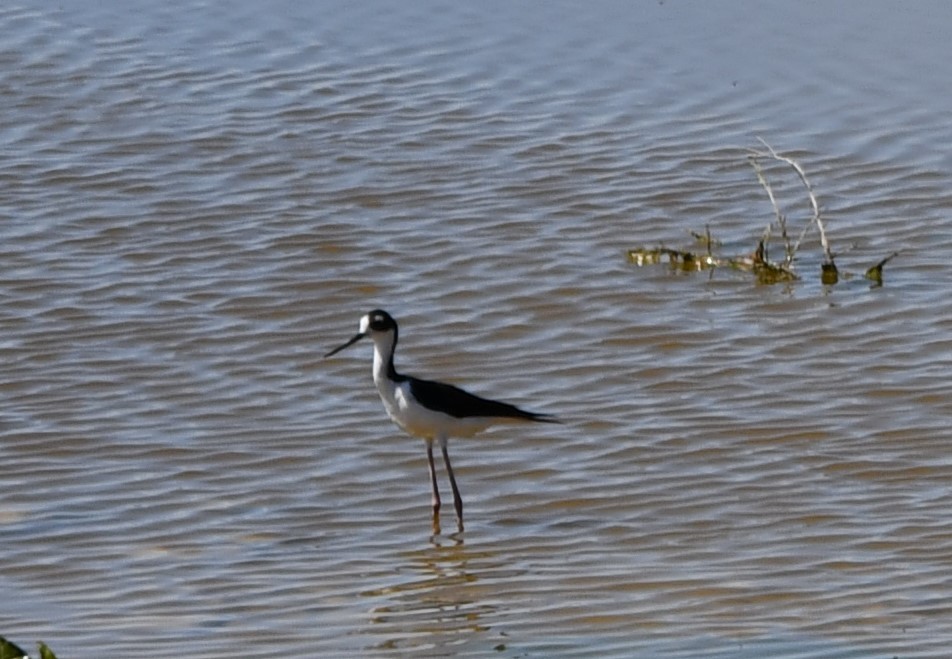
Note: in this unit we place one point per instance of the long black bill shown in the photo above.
(354, 340)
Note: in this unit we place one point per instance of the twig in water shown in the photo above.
(829, 266)
(781, 218)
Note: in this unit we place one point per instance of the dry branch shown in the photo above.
(758, 262)
(828, 264)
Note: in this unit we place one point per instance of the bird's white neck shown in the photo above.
(383, 359)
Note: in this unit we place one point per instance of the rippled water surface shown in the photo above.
(198, 200)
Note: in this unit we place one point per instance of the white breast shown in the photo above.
(419, 421)
(407, 413)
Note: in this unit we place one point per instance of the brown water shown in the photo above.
(197, 202)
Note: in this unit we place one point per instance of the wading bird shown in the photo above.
(433, 411)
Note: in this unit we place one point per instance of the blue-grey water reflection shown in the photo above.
(198, 201)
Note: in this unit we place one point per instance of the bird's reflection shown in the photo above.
(436, 601)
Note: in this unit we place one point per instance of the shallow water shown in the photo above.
(197, 204)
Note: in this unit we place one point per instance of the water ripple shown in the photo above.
(198, 206)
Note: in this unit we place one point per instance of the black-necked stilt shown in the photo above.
(433, 411)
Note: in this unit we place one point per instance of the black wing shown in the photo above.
(451, 400)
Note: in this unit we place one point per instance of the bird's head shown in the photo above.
(378, 325)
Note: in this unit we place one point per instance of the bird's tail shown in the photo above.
(542, 418)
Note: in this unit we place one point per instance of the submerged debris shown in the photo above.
(677, 258)
(765, 271)
(10, 650)
(876, 272)
(758, 263)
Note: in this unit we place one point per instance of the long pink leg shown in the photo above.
(457, 499)
(434, 486)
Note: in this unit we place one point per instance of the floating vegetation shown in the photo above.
(876, 272)
(10, 650)
(758, 262)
